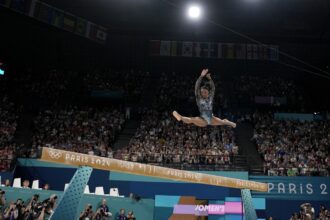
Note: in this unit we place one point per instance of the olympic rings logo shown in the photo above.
(55, 154)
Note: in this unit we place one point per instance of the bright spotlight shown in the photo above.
(194, 12)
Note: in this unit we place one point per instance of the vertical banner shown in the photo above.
(165, 48)
(196, 49)
(57, 18)
(230, 52)
(43, 12)
(261, 52)
(81, 26)
(154, 48)
(249, 52)
(266, 53)
(240, 50)
(213, 50)
(173, 49)
(32, 7)
(69, 22)
(187, 48)
(22, 6)
(179, 45)
(97, 33)
(255, 52)
(205, 50)
(274, 53)
(220, 51)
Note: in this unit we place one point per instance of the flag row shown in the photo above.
(58, 18)
(213, 50)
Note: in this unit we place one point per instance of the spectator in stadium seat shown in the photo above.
(11, 212)
(46, 187)
(26, 184)
(31, 210)
(7, 183)
(121, 215)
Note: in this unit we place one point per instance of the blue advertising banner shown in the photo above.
(294, 188)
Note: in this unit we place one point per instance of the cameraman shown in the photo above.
(11, 212)
(32, 211)
(307, 211)
(104, 210)
(130, 216)
(87, 214)
(48, 207)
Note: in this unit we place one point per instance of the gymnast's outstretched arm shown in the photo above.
(198, 83)
(212, 89)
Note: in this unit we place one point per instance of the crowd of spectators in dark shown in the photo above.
(291, 148)
(246, 87)
(81, 129)
(130, 82)
(9, 115)
(162, 140)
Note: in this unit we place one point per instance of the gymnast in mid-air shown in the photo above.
(204, 99)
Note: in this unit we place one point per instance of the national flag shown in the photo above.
(230, 53)
(187, 48)
(179, 48)
(43, 12)
(32, 7)
(176, 48)
(213, 50)
(274, 53)
(266, 52)
(197, 49)
(22, 6)
(57, 18)
(81, 26)
(249, 51)
(261, 52)
(165, 48)
(220, 51)
(69, 22)
(240, 51)
(205, 49)
(173, 49)
(154, 47)
(97, 33)
(255, 52)
(101, 33)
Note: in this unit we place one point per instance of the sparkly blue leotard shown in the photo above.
(205, 105)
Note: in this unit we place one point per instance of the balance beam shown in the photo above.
(103, 163)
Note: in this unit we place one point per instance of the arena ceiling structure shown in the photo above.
(275, 18)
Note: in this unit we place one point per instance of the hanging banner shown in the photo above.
(214, 50)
